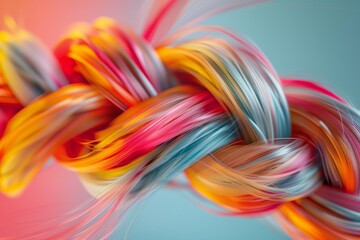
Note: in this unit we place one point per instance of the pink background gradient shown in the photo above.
(49, 19)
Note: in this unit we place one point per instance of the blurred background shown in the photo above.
(316, 40)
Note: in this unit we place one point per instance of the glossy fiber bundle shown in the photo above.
(130, 110)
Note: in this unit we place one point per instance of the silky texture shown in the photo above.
(129, 111)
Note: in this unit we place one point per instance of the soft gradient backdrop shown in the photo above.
(317, 40)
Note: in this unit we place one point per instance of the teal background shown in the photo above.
(316, 40)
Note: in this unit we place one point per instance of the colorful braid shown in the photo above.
(130, 111)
